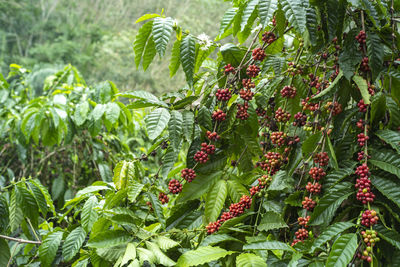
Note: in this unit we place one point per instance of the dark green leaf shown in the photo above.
(342, 250)
(188, 54)
(162, 29)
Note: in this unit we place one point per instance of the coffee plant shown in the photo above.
(282, 150)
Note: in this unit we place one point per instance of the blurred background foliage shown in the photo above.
(96, 37)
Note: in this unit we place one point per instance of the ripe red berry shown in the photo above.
(308, 204)
(365, 195)
(364, 67)
(268, 37)
(321, 158)
(219, 115)
(369, 218)
(223, 94)
(362, 139)
(288, 92)
(163, 198)
(248, 84)
(254, 190)
(201, 157)
(281, 115)
(362, 171)
(212, 136)
(209, 149)
(229, 69)
(301, 234)
(295, 241)
(303, 221)
(245, 201)
(235, 209)
(252, 71)
(188, 174)
(246, 95)
(300, 119)
(313, 188)
(174, 186)
(258, 54)
(213, 227)
(362, 107)
(242, 111)
(317, 173)
(361, 37)
(278, 138)
(226, 216)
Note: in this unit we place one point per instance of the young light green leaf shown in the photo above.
(202, 255)
(161, 258)
(149, 53)
(146, 17)
(363, 86)
(162, 29)
(16, 214)
(156, 122)
(342, 250)
(165, 243)
(215, 200)
(81, 112)
(109, 238)
(331, 86)
(120, 178)
(73, 243)
(112, 112)
(49, 247)
(250, 260)
(134, 190)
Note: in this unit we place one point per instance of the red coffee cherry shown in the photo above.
(362, 139)
(209, 149)
(360, 124)
(163, 198)
(254, 190)
(371, 89)
(229, 69)
(301, 234)
(242, 111)
(369, 218)
(223, 94)
(219, 115)
(288, 92)
(268, 37)
(245, 201)
(335, 107)
(212, 136)
(258, 54)
(246, 95)
(174, 186)
(300, 119)
(313, 188)
(213, 227)
(361, 37)
(226, 216)
(361, 156)
(201, 157)
(278, 138)
(362, 171)
(364, 67)
(188, 174)
(365, 195)
(303, 221)
(248, 84)
(317, 173)
(321, 158)
(252, 71)
(362, 107)
(260, 112)
(308, 204)
(235, 209)
(281, 115)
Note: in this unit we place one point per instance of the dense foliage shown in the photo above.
(282, 151)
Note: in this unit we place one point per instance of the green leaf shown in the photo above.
(112, 112)
(149, 53)
(162, 29)
(16, 214)
(120, 178)
(5, 254)
(89, 214)
(331, 86)
(232, 54)
(142, 39)
(27, 203)
(295, 14)
(329, 233)
(134, 190)
(394, 111)
(386, 167)
(175, 128)
(378, 107)
(247, 13)
(202, 255)
(332, 154)
(236, 190)
(188, 54)
(156, 122)
(188, 124)
(130, 254)
(146, 17)
(389, 235)
(73, 243)
(161, 258)
(215, 200)
(81, 113)
(268, 245)
(271, 220)
(175, 58)
(390, 137)
(281, 181)
(388, 188)
(144, 97)
(198, 186)
(49, 247)
(375, 51)
(45, 193)
(266, 9)
(227, 20)
(158, 209)
(250, 260)
(145, 255)
(308, 145)
(204, 118)
(363, 86)
(40, 198)
(109, 238)
(330, 202)
(171, 156)
(342, 251)
(165, 243)
(98, 111)
(217, 238)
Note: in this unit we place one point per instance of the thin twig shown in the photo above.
(19, 240)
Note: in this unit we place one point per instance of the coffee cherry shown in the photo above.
(361, 37)
(248, 84)
(274, 21)
(258, 54)
(226, 216)
(303, 221)
(212, 136)
(209, 149)
(371, 89)
(301, 234)
(360, 124)
(295, 241)
(361, 106)
(281, 115)
(309, 106)
(288, 92)
(235, 209)
(363, 183)
(254, 190)
(268, 37)
(252, 71)
(188, 174)
(245, 201)
(278, 138)
(321, 158)
(362, 139)
(223, 94)
(229, 69)
(362, 171)
(201, 157)
(317, 173)
(313, 188)
(364, 67)
(264, 181)
(261, 112)
(242, 111)
(174, 186)
(246, 95)
(219, 115)
(369, 218)
(213, 227)
(163, 198)
(300, 119)
(148, 203)
(361, 156)
(335, 107)
(308, 204)
(365, 195)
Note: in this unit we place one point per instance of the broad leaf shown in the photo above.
(295, 14)
(250, 260)
(266, 9)
(156, 122)
(89, 214)
(271, 220)
(73, 243)
(215, 200)
(49, 247)
(109, 238)
(388, 188)
(268, 245)
(162, 29)
(175, 128)
(142, 39)
(342, 250)
(329, 233)
(175, 58)
(202, 255)
(363, 86)
(188, 54)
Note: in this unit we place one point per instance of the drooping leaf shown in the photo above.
(236, 190)
(89, 214)
(375, 50)
(215, 200)
(81, 113)
(156, 122)
(188, 124)
(266, 9)
(271, 220)
(331, 86)
(188, 54)
(204, 118)
(162, 29)
(295, 14)
(49, 247)
(250, 260)
(268, 245)
(175, 58)
(109, 238)
(134, 190)
(390, 137)
(5, 254)
(227, 20)
(198, 186)
(158, 209)
(16, 214)
(330, 232)
(73, 243)
(378, 107)
(342, 250)
(217, 238)
(166, 243)
(363, 86)
(142, 39)
(247, 13)
(388, 188)
(386, 167)
(389, 235)
(202, 255)
(161, 258)
(175, 128)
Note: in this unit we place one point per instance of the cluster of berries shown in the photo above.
(362, 107)
(219, 115)
(282, 115)
(163, 198)
(258, 54)
(288, 92)
(300, 119)
(335, 107)
(212, 136)
(362, 139)
(252, 71)
(309, 106)
(370, 239)
(294, 69)
(174, 186)
(246, 95)
(361, 38)
(364, 67)
(242, 111)
(268, 37)
(223, 94)
(229, 69)
(369, 218)
(248, 84)
(263, 182)
(235, 209)
(188, 174)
